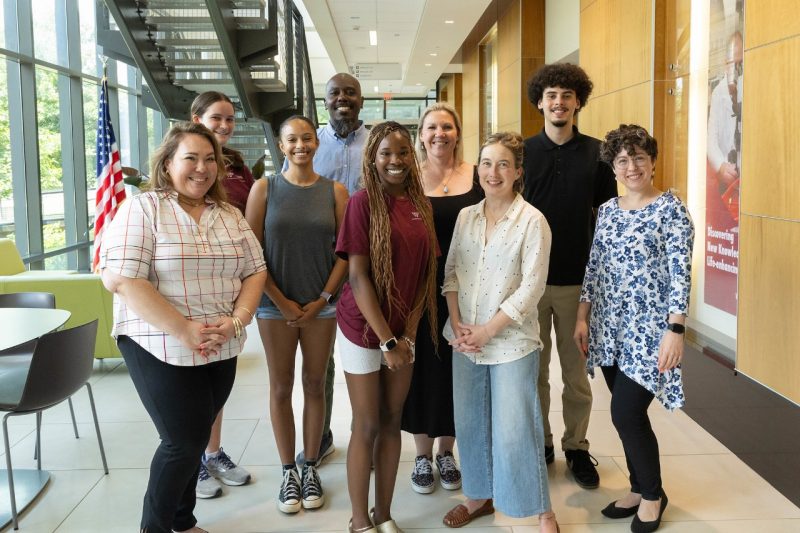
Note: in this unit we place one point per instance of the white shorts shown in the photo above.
(357, 359)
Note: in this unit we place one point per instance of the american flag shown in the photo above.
(110, 187)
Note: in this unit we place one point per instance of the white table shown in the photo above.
(20, 325)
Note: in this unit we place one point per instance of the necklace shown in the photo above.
(446, 181)
(186, 201)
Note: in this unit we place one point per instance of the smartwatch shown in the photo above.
(326, 296)
(388, 345)
(676, 328)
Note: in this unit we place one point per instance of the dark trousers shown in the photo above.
(182, 402)
(629, 403)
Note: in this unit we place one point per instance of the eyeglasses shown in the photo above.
(622, 163)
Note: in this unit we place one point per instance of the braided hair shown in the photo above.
(380, 230)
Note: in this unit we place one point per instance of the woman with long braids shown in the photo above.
(387, 224)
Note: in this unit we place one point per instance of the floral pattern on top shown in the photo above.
(639, 272)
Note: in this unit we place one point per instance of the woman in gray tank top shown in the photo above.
(296, 216)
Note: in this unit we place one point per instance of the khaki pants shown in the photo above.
(559, 307)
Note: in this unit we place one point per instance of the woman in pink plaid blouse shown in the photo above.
(186, 272)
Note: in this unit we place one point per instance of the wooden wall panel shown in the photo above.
(673, 141)
(769, 309)
(470, 95)
(771, 159)
(606, 112)
(767, 21)
(509, 106)
(616, 43)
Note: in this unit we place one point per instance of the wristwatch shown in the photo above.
(676, 328)
(326, 295)
(388, 345)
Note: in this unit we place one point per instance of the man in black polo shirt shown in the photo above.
(566, 181)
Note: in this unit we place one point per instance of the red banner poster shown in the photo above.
(726, 53)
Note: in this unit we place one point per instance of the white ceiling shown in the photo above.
(411, 33)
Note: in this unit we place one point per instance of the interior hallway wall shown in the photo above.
(520, 44)
(769, 262)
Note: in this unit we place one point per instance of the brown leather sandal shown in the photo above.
(460, 516)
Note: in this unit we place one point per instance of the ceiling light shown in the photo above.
(373, 37)
(433, 54)
(419, 84)
(427, 64)
(376, 89)
(449, 21)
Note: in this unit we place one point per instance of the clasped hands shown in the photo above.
(298, 316)
(469, 338)
(209, 338)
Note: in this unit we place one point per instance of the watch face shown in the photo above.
(391, 344)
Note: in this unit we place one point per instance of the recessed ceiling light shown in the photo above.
(419, 84)
(376, 89)
(433, 54)
(449, 21)
(427, 64)
(373, 37)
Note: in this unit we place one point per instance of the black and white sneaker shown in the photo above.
(422, 477)
(289, 496)
(313, 497)
(449, 474)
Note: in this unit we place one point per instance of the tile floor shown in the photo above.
(710, 489)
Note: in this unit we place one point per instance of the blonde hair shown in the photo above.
(161, 181)
(447, 108)
(380, 230)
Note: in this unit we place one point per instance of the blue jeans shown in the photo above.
(500, 434)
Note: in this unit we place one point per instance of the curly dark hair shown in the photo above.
(564, 75)
(627, 137)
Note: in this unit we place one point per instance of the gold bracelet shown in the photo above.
(237, 326)
(246, 310)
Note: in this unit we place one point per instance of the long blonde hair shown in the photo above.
(380, 230)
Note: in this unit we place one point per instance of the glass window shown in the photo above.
(404, 110)
(44, 31)
(372, 111)
(488, 84)
(122, 131)
(88, 46)
(90, 97)
(2, 25)
(322, 113)
(50, 158)
(6, 192)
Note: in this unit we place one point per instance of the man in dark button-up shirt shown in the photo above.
(566, 181)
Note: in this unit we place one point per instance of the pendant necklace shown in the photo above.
(444, 184)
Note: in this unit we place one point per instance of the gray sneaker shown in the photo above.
(225, 470)
(207, 487)
(326, 448)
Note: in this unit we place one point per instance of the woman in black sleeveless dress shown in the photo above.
(428, 414)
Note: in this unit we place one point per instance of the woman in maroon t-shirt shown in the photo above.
(389, 240)
(214, 110)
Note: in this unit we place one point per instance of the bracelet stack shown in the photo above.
(246, 310)
(238, 327)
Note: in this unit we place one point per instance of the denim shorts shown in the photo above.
(269, 311)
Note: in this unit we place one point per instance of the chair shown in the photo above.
(81, 294)
(61, 364)
(23, 352)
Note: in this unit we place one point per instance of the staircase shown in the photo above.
(252, 50)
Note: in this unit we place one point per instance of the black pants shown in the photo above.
(629, 403)
(182, 402)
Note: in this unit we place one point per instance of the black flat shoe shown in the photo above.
(612, 511)
(638, 526)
